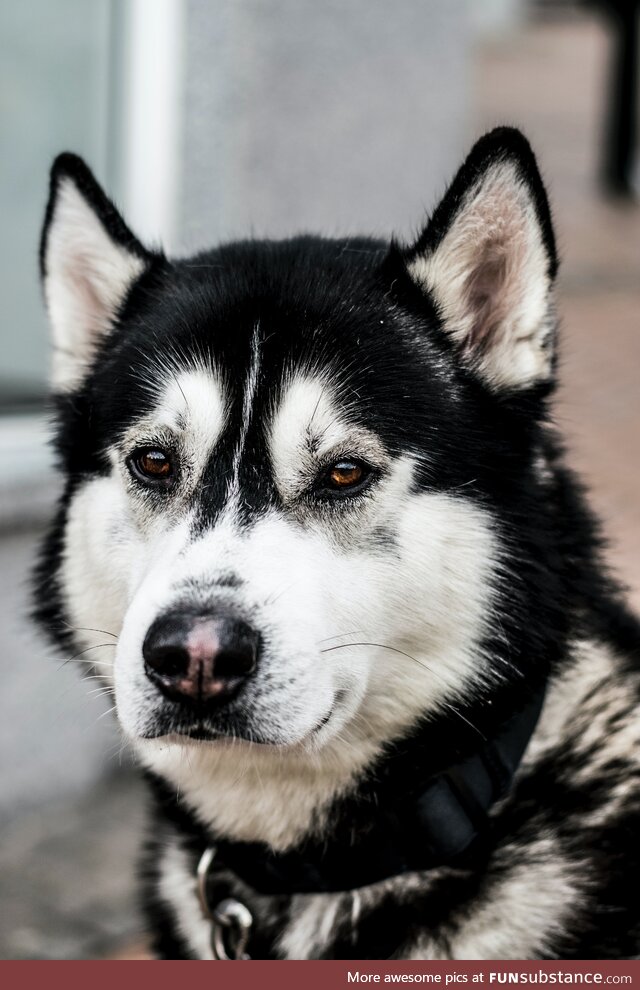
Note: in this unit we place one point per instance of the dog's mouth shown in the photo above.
(200, 733)
(200, 730)
(333, 710)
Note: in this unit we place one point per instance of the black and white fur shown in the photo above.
(413, 617)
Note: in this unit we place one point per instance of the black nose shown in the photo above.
(201, 659)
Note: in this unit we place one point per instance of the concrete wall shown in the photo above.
(337, 117)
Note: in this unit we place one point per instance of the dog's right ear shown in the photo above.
(89, 260)
(487, 260)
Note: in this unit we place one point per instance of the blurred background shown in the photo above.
(211, 119)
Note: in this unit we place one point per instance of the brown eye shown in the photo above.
(345, 478)
(152, 464)
(346, 474)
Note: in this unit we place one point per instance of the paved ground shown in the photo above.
(551, 81)
(67, 883)
(67, 876)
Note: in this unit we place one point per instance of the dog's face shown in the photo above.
(285, 459)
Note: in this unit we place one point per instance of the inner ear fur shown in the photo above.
(487, 259)
(89, 260)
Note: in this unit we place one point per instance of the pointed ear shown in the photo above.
(89, 260)
(487, 258)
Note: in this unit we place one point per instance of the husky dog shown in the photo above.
(364, 645)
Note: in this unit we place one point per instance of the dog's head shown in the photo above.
(299, 472)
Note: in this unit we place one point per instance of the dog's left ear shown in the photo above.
(487, 258)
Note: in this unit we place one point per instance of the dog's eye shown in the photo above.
(152, 464)
(346, 474)
(345, 477)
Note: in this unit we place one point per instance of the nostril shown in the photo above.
(234, 663)
(164, 649)
(171, 661)
(238, 649)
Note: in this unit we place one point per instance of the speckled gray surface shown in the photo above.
(67, 874)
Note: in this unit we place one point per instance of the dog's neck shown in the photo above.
(249, 793)
(282, 800)
(383, 829)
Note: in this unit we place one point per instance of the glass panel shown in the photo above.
(54, 59)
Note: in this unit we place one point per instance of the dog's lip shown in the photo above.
(199, 733)
(203, 735)
(336, 705)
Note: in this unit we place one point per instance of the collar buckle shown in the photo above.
(231, 920)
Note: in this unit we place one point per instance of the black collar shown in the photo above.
(436, 826)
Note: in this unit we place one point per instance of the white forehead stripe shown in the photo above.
(306, 416)
(251, 387)
(308, 427)
(193, 402)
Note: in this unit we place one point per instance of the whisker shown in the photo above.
(88, 629)
(421, 663)
(273, 598)
(457, 712)
(379, 646)
(98, 646)
(327, 639)
(108, 712)
(89, 663)
(99, 692)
